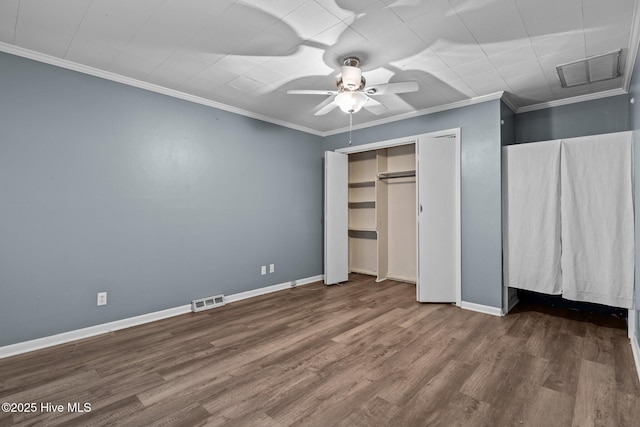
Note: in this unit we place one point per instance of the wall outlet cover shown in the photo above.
(102, 298)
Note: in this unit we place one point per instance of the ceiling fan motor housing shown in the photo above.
(351, 75)
(351, 79)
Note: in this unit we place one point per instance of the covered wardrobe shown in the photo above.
(568, 218)
(392, 210)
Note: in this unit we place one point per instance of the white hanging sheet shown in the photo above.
(531, 216)
(597, 219)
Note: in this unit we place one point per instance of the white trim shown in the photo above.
(423, 112)
(309, 280)
(494, 311)
(273, 288)
(504, 96)
(573, 100)
(96, 72)
(632, 320)
(107, 75)
(398, 141)
(377, 145)
(78, 334)
(632, 51)
(458, 190)
(635, 347)
(510, 101)
(413, 139)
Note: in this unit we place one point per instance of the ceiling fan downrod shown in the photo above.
(351, 61)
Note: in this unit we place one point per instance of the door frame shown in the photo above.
(414, 139)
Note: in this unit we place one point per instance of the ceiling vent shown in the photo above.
(594, 69)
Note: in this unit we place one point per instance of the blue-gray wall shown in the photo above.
(634, 93)
(480, 185)
(508, 125)
(105, 187)
(603, 115)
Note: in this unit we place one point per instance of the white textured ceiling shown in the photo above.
(246, 54)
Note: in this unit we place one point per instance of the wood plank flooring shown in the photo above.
(358, 354)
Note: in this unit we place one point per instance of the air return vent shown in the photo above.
(206, 303)
(593, 69)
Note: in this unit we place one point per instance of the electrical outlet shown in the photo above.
(263, 270)
(272, 268)
(102, 298)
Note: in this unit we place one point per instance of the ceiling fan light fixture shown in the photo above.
(351, 102)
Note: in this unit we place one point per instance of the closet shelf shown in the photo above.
(362, 183)
(398, 174)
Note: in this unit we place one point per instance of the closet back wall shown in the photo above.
(106, 187)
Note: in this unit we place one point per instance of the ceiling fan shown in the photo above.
(352, 93)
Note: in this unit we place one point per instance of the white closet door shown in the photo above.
(437, 216)
(336, 217)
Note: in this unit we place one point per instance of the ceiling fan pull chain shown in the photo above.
(350, 125)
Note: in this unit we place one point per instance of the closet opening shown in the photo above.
(382, 213)
(392, 211)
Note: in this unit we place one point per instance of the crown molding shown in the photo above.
(572, 100)
(510, 101)
(632, 51)
(96, 72)
(107, 75)
(507, 98)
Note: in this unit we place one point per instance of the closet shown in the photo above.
(569, 218)
(382, 213)
(392, 210)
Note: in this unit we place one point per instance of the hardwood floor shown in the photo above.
(358, 354)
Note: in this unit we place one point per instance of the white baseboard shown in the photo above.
(494, 311)
(78, 334)
(273, 288)
(632, 320)
(635, 346)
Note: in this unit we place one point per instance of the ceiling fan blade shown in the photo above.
(325, 106)
(374, 106)
(310, 92)
(397, 87)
